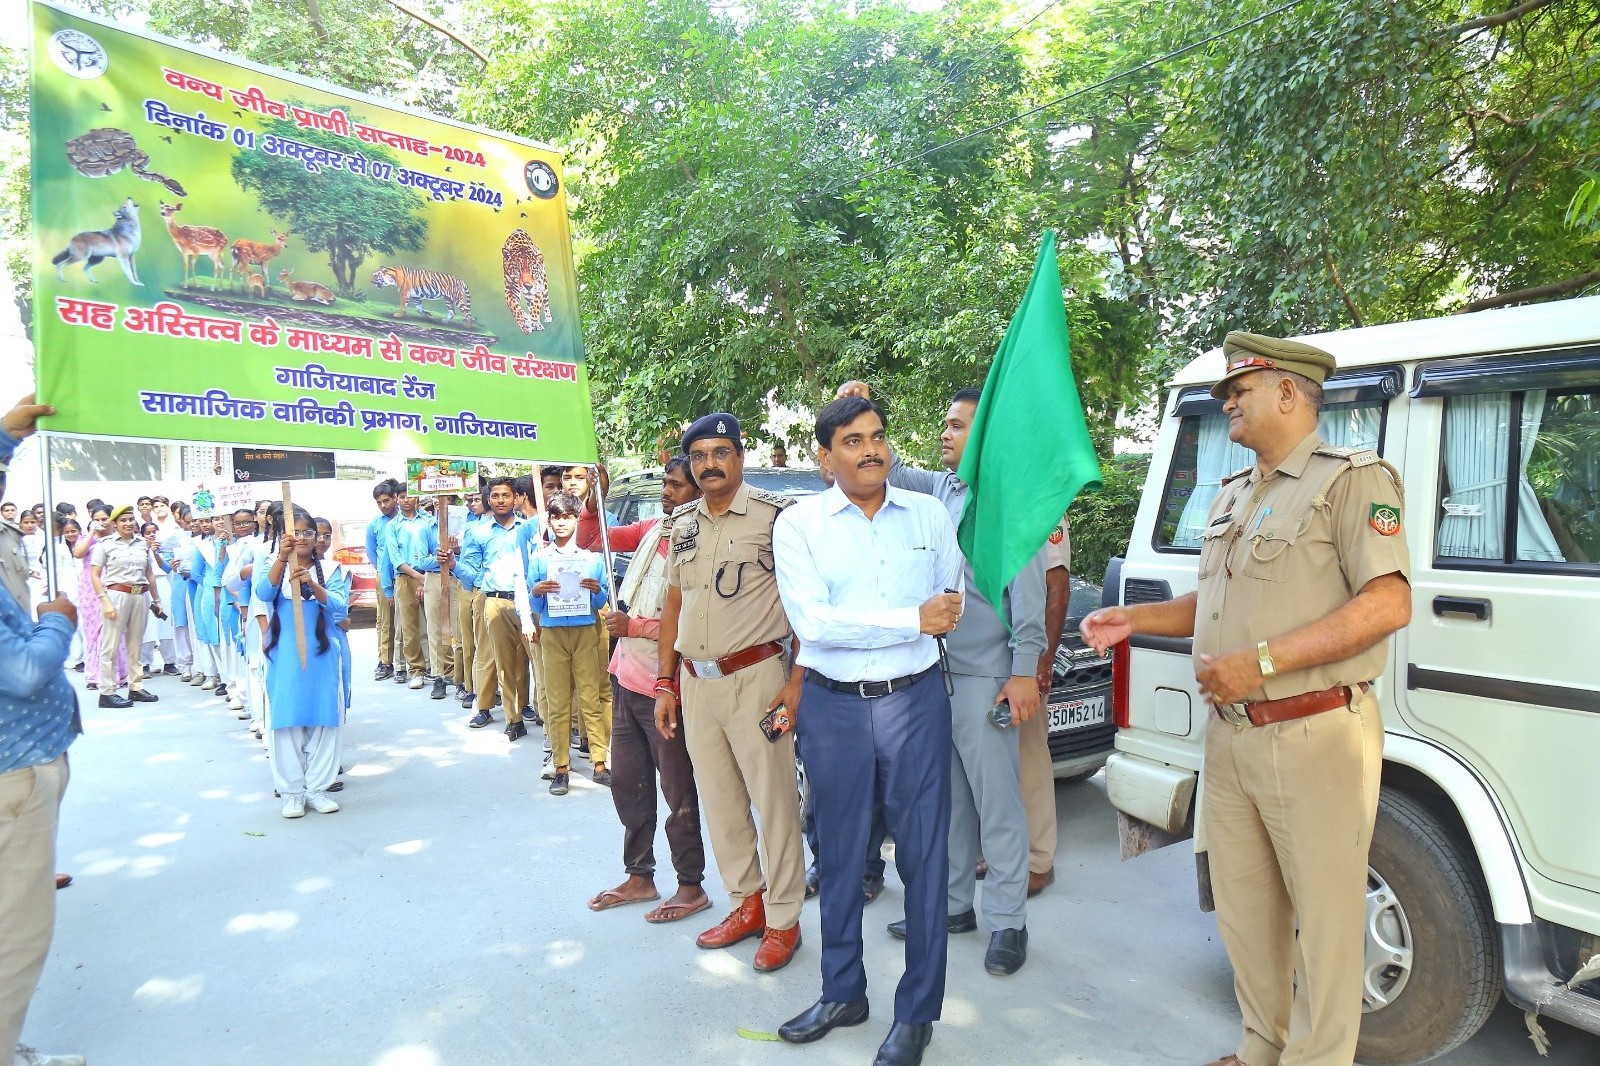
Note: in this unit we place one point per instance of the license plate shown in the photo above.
(1074, 714)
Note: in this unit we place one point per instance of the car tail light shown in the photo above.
(351, 556)
(1120, 708)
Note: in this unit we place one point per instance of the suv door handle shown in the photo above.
(1477, 608)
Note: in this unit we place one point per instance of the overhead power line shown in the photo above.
(1058, 101)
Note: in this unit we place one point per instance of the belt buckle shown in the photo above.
(1235, 714)
(707, 669)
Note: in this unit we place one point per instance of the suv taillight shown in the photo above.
(1119, 685)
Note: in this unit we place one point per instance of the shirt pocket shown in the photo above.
(907, 577)
(1213, 546)
(1270, 549)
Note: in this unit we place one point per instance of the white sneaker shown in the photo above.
(208, 684)
(197, 679)
(236, 704)
(321, 802)
(294, 806)
(549, 772)
(27, 1056)
(186, 678)
(415, 682)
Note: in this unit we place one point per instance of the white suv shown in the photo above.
(1485, 864)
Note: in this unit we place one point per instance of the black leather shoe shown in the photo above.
(1008, 950)
(111, 699)
(904, 1045)
(221, 691)
(337, 786)
(871, 887)
(965, 922)
(139, 695)
(822, 1018)
(479, 720)
(813, 883)
(515, 730)
(170, 670)
(466, 697)
(438, 692)
(383, 672)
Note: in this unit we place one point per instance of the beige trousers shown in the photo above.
(438, 601)
(569, 665)
(466, 639)
(132, 613)
(410, 615)
(735, 765)
(30, 807)
(502, 658)
(385, 629)
(1288, 810)
(1038, 791)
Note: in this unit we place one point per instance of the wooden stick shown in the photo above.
(294, 586)
(442, 510)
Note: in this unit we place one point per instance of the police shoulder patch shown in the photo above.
(1237, 474)
(772, 499)
(1384, 518)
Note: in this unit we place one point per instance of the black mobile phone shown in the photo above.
(776, 723)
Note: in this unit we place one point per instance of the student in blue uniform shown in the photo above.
(305, 703)
(205, 565)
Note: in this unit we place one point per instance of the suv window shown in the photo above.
(1205, 455)
(1551, 441)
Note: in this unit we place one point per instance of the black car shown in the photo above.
(1078, 710)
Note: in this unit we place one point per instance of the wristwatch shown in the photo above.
(1264, 659)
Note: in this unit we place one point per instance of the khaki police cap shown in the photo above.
(1251, 351)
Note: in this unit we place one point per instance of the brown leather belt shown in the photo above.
(713, 668)
(1270, 712)
(132, 590)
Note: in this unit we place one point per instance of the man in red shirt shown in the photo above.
(638, 751)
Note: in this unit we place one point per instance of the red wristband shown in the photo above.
(666, 684)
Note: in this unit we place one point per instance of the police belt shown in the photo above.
(132, 590)
(500, 595)
(1270, 712)
(869, 690)
(709, 669)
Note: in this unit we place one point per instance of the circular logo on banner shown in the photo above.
(541, 179)
(78, 54)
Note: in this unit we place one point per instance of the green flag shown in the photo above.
(1028, 452)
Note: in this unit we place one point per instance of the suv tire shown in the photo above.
(1425, 895)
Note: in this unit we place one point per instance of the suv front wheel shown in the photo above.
(1432, 972)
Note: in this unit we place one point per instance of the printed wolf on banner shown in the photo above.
(241, 205)
(1028, 452)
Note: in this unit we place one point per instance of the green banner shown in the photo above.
(228, 253)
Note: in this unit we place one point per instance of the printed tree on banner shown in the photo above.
(349, 216)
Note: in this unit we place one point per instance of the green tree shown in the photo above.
(347, 215)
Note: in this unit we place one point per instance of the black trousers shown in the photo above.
(638, 755)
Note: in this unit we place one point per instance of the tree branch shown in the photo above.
(1491, 21)
(446, 30)
(1338, 283)
(1537, 292)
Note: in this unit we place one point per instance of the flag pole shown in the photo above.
(51, 577)
(294, 599)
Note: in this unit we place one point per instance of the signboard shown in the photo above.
(267, 464)
(441, 476)
(225, 252)
(212, 498)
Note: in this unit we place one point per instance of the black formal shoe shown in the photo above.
(170, 670)
(111, 699)
(904, 1045)
(813, 883)
(139, 695)
(822, 1018)
(438, 689)
(871, 887)
(965, 922)
(221, 691)
(479, 720)
(603, 777)
(515, 730)
(558, 784)
(337, 786)
(383, 672)
(1008, 950)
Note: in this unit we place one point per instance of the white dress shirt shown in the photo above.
(852, 587)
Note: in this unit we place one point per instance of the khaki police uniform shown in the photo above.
(127, 563)
(1288, 808)
(1037, 772)
(723, 568)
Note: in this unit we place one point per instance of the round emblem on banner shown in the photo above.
(78, 54)
(541, 179)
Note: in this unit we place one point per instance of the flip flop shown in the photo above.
(676, 912)
(612, 898)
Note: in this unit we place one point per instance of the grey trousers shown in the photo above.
(986, 810)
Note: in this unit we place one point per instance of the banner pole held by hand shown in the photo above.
(294, 599)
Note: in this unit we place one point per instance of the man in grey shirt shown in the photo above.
(992, 670)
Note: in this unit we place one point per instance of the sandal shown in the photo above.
(676, 912)
(612, 898)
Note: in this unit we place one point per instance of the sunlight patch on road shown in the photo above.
(410, 1055)
(265, 922)
(313, 884)
(170, 989)
(149, 865)
(407, 847)
(560, 954)
(166, 756)
(367, 769)
(156, 840)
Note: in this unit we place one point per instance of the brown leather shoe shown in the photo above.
(777, 948)
(1037, 883)
(747, 920)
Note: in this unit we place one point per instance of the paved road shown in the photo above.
(439, 919)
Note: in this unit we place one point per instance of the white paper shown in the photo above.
(572, 599)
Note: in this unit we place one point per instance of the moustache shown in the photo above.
(863, 464)
(711, 474)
